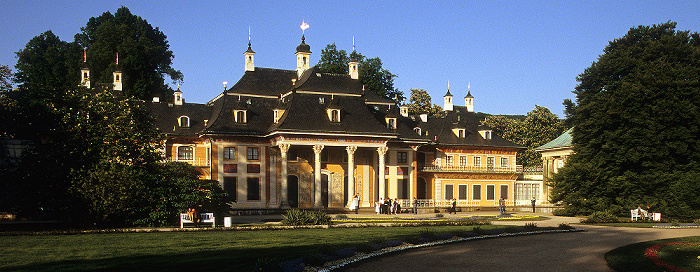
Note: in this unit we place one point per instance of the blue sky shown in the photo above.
(515, 54)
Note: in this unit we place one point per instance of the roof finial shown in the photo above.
(448, 85)
(117, 58)
(353, 43)
(469, 87)
(303, 27)
(84, 55)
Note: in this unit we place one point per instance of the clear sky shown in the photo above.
(515, 54)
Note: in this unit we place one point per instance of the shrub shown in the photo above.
(439, 215)
(697, 222)
(562, 212)
(341, 216)
(304, 217)
(530, 226)
(602, 217)
(564, 226)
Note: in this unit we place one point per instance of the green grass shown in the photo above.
(631, 257)
(191, 250)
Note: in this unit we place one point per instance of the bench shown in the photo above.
(206, 218)
(635, 215)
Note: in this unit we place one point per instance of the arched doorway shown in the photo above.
(293, 191)
(421, 189)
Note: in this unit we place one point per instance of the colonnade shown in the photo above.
(318, 148)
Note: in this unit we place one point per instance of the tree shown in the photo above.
(636, 125)
(375, 78)
(7, 103)
(420, 103)
(333, 61)
(539, 127)
(143, 53)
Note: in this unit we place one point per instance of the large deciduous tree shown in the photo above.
(372, 74)
(144, 55)
(636, 125)
(421, 103)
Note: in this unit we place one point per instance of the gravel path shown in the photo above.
(575, 251)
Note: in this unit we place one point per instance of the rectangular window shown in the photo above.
(185, 153)
(476, 192)
(253, 153)
(231, 168)
(253, 168)
(490, 162)
(477, 161)
(449, 161)
(402, 157)
(504, 191)
(253, 189)
(462, 161)
(449, 191)
(490, 192)
(231, 188)
(462, 195)
(229, 153)
(504, 162)
(403, 188)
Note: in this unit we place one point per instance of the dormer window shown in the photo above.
(391, 123)
(417, 130)
(334, 115)
(277, 115)
(240, 116)
(184, 121)
(321, 100)
(486, 134)
(460, 132)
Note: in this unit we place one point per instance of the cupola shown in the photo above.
(117, 77)
(353, 64)
(303, 52)
(448, 99)
(249, 56)
(85, 72)
(469, 100)
(178, 97)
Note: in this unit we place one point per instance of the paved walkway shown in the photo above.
(576, 251)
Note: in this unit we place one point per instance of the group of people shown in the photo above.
(644, 213)
(387, 206)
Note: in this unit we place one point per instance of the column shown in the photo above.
(351, 172)
(382, 181)
(284, 148)
(317, 175)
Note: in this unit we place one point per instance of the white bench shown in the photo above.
(205, 218)
(635, 215)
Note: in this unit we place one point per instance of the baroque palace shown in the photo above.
(302, 138)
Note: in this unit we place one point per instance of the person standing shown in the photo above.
(355, 203)
(533, 203)
(378, 205)
(415, 205)
(502, 205)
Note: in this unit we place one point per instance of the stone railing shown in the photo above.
(472, 169)
(201, 162)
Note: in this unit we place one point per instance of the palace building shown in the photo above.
(303, 138)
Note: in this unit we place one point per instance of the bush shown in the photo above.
(697, 222)
(439, 215)
(341, 216)
(602, 217)
(562, 212)
(304, 217)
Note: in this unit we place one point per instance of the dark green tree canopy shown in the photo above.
(420, 102)
(636, 125)
(144, 55)
(375, 78)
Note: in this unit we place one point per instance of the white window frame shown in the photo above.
(185, 117)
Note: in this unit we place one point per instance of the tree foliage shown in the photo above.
(371, 71)
(421, 103)
(636, 125)
(538, 128)
(144, 55)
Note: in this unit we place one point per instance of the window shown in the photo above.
(449, 161)
(184, 121)
(449, 191)
(253, 153)
(476, 192)
(240, 116)
(504, 162)
(462, 192)
(253, 189)
(230, 184)
(504, 191)
(477, 161)
(335, 115)
(462, 161)
(391, 123)
(490, 162)
(490, 192)
(229, 153)
(417, 130)
(460, 133)
(185, 153)
(402, 157)
(277, 115)
(116, 78)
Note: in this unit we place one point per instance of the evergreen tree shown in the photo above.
(636, 125)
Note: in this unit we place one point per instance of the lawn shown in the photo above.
(194, 250)
(682, 254)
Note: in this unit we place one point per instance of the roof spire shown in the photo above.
(117, 58)
(84, 55)
(353, 43)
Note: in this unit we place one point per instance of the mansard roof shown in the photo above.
(264, 82)
(166, 117)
